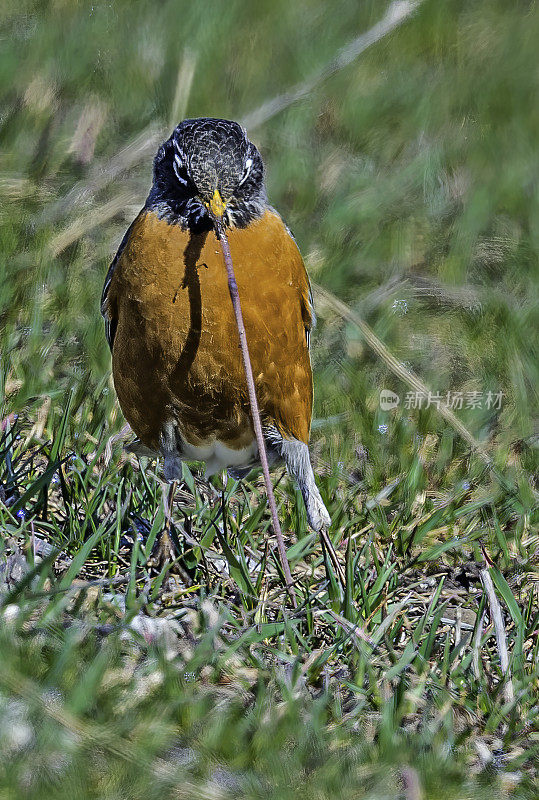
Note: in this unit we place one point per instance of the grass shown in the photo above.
(409, 179)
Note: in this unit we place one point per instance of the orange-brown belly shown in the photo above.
(176, 351)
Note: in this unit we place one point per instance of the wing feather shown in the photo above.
(108, 306)
(307, 312)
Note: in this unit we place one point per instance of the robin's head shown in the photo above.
(208, 168)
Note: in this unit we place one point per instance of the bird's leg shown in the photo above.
(172, 463)
(204, 484)
(165, 550)
(172, 470)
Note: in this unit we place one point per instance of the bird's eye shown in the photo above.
(246, 171)
(181, 171)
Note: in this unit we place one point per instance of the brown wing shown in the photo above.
(305, 289)
(108, 306)
(174, 336)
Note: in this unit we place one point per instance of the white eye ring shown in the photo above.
(177, 166)
(247, 170)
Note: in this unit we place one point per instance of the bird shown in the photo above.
(169, 322)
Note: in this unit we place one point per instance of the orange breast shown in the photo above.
(176, 350)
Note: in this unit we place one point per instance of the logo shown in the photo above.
(388, 400)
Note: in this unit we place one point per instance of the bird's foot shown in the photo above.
(165, 550)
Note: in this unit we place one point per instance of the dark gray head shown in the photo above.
(204, 156)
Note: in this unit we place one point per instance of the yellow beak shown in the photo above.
(216, 205)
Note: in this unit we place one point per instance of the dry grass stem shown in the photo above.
(399, 369)
(395, 16)
(499, 628)
(87, 222)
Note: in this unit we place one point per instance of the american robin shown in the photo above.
(176, 363)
